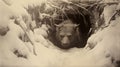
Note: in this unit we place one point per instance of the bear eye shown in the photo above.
(61, 34)
(69, 36)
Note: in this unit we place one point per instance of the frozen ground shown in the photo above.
(102, 48)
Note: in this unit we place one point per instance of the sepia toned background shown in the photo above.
(34, 33)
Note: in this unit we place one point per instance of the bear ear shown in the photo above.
(76, 25)
(57, 25)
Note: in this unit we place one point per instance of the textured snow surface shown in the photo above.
(102, 47)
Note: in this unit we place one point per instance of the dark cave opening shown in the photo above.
(66, 11)
(84, 28)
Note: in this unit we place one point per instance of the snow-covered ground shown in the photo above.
(102, 49)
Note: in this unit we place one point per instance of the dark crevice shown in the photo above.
(84, 27)
(16, 52)
(3, 31)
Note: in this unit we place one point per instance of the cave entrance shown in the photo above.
(56, 12)
(78, 16)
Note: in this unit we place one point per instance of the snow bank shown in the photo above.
(12, 48)
(106, 44)
(5, 14)
(25, 3)
(110, 39)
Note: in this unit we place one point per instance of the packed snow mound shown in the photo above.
(12, 48)
(105, 43)
(5, 14)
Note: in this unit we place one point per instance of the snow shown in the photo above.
(107, 42)
(102, 47)
(5, 13)
(108, 12)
